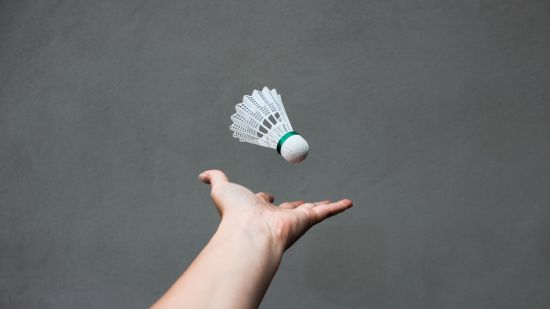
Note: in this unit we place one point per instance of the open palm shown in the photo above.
(284, 223)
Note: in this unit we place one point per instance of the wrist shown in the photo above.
(253, 231)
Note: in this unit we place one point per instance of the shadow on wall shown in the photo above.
(345, 264)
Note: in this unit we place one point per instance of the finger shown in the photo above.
(266, 197)
(311, 205)
(291, 205)
(213, 177)
(324, 211)
(321, 202)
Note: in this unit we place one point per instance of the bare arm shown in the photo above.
(238, 263)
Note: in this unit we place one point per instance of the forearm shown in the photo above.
(232, 271)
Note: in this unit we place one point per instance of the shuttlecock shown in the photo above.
(261, 119)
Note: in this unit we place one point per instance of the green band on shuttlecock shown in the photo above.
(284, 138)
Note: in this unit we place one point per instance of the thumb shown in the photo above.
(213, 177)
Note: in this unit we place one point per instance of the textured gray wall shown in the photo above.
(433, 116)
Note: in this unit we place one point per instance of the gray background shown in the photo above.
(433, 116)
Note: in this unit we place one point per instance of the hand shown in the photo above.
(255, 213)
(236, 266)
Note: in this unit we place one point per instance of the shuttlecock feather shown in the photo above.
(261, 119)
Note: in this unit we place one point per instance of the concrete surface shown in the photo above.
(433, 116)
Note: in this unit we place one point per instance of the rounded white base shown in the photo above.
(295, 149)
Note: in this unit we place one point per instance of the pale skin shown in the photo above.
(237, 265)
